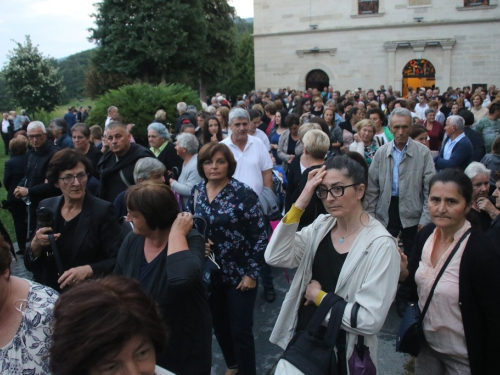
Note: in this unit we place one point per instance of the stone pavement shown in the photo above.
(265, 314)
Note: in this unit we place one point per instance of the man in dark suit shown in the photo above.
(474, 137)
(457, 150)
(70, 118)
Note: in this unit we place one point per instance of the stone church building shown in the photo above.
(365, 43)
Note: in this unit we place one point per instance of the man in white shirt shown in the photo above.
(112, 113)
(253, 127)
(421, 106)
(457, 152)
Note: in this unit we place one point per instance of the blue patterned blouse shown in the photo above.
(235, 224)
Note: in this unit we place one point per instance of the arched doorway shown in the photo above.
(317, 79)
(418, 73)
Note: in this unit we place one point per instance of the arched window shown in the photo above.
(317, 79)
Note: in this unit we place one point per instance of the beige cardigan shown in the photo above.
(369, 277)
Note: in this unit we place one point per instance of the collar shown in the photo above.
(159, 151)
(456, 140)
(408, 148)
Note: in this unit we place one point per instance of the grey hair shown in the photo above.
(111, 108)
(160, 129)
(429, 110)
(181, 107)
(36, 125)
(238, 113)
(458, 121)
(476, 168)
(146, 166)
(189, 142)
(401, 112)
(211, 110)
(192, 109)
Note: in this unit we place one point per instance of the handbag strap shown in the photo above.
(314, 326)
(354, 322)
(441, 271)
(55, 252)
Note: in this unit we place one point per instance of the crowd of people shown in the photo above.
(365, 194)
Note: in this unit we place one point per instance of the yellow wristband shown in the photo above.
(319, 298)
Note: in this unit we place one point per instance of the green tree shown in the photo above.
(98, 82)
(220, 46)
(6, 101)
(149, 38)
(32, 79)
(73, 69)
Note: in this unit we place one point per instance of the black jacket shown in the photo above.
(15, 170)
(94, 155)
(96, 244)
(477, 143)
(36, 171)
(479, 301)
(170, 159)
(113, 173)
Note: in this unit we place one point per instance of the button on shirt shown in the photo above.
(397, 155)
(448, 147)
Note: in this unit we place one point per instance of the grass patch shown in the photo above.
(60, 111)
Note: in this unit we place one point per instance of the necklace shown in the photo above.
(342, 239)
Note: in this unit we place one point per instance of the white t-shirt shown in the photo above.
(263, 137)
(251, 162)
(5, 126)
(420, 111)
(383, 137)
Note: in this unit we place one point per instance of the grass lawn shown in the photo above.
(60, 111)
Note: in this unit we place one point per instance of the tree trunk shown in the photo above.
(163, 80)
(203, 89)
(145, 76)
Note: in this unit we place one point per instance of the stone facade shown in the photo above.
(293, 37)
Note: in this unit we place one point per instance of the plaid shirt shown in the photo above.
(397, 155)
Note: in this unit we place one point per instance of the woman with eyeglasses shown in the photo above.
(345, 251)
(86, 232)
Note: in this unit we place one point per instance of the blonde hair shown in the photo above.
(364, 123)
(317, 143)
(303, 129)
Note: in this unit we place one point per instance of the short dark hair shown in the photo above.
(5, 256)
(253, 113)
(155, 201)
(271, 108)
(468, 117)
(96, 131)
(494, 107)
(60, 123)
(459, 178)
(291, 119)
(82, 128)
(18, 146)
(65, 159)
(417, 130)
(377, 111)
(95, 319)
(495, 148)
(208, 151)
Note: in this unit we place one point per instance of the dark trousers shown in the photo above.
(18, 211)
(6, 139)
(407, 235)
(266, 275)
(232, 317)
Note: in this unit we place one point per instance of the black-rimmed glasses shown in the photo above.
(336, 191)
(68, 179)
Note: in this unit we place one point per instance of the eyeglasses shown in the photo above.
(68, 179)
(336, 191)
(33, 136)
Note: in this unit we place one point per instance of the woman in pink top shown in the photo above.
(461, 327)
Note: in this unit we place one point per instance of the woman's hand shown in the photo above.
(403, 266)
(484, 204)
(208, 248)
(182, 224)
(41, 240)
(214, 138)
(75, 275)
(246, 283)
(312, 292)
(290, 158)
(171, 181)
(20, 192)
(314, 179)
(356, 138)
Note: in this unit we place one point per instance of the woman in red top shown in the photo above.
(435, 129)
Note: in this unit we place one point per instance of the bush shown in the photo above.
(138, 104)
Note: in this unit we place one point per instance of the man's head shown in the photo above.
(401, 126)
(468, 117)
(494, 112)
(370, 95)
(118, 138)
(255, 120)
(377, 116)
(454, 126)
(181, 108)
(187, 128)
(483, 94)
(113, 112)
(422, 99)
(149, 169)
(238, 122)
(428, 94)
(58, 127)
(37, 134)
(95, 133)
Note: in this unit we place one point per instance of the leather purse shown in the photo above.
(411, 333)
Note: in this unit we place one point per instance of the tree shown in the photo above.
(32, 79)
(6, 101)
(220, 46)
(73, 69)
(149, 38)
(98, 83)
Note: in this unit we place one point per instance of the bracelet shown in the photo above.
(319, 298)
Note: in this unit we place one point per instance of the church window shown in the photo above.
(418, 3)
(367, 7)
(475, 3)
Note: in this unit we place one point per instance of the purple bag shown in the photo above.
(361, 362)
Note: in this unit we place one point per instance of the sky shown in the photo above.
(59, 27)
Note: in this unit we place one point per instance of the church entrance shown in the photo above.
(418, 73)
(317, 79)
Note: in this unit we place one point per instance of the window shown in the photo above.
(367, 7)
(476, 3)
(418, 3)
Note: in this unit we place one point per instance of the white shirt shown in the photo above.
(263, 137)
(108, 120)
(383, 136)
(5, 126)
(448, 147)
(420, 111)
(486, 102)
(251, 162)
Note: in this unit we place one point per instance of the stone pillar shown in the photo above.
(391, 65)
(447, 46)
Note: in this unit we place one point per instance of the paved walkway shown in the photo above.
(265, 314)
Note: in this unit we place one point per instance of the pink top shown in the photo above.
(443, 326)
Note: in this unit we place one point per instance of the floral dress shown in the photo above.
(27, 353)
(370, 151)
(235, 224)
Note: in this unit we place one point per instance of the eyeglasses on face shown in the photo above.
(35, 136)
(68, 179)
(336, 191)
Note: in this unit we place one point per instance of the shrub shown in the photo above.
(138, 104)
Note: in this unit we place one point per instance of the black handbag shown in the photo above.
(312, 351)
(411, 334)
(211, 270)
